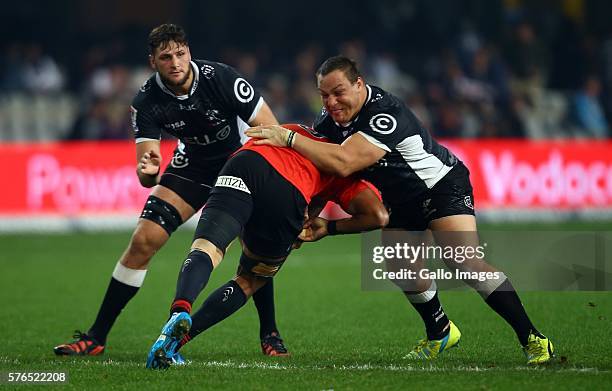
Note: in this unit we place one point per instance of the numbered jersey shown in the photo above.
(208, 121)
(414, 162)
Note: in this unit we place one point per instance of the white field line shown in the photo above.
(292, 367)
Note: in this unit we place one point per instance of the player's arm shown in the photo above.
(264, 116)
(148, 158)
(316, 206)
(354, 154)
(367, 213)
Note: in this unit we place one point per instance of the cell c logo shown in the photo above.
(383, 123)
(223, 133)
(243, 90)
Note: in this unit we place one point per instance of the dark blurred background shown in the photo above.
(468, 68)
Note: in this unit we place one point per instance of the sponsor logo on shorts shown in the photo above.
(232, 182)
(426, 208)
(243, 90)
(468, 202)
(383, 123)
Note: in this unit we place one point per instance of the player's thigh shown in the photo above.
(171, 197)
(449, 205)
(410, 257)
(164, 211)
(277, 219)
(180, 193)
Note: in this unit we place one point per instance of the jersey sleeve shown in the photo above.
(143, 124)
(236, 94)
(384, 127)
(343, 190)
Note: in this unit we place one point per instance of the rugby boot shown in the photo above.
(272, 345)
(163, 350)
(83, 345)
(430, 349)
(539, 349)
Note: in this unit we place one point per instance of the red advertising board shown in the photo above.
(523, 174)
(72, 178)
(91, 178)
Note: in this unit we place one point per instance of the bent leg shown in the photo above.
(215, 231)
(162, 214)
(422, 293)
(228, 298)
(498, 293)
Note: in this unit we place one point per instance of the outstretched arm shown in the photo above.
(356, 153)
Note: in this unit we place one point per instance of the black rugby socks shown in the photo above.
(507, 304)
(223, 302)
(264, 301)
(193, 277)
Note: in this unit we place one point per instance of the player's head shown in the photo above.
(169, 54)
(342, 88)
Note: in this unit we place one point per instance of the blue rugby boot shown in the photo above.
(163, 351)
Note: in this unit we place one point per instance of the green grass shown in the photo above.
(340, 336)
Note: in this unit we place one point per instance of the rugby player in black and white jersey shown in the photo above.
(424, 185)
(205, 105)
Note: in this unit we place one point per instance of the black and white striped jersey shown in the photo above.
(414, 161)
(209, 121)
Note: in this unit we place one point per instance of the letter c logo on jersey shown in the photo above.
(243, 90)
(383, 123)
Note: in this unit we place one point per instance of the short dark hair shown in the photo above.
(342, 63)
(161, 36)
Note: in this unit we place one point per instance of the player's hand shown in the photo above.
(150, 163)
(274, 135)
(316, 230)
(297, 244)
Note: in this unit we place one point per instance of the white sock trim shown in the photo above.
(131, 277)
(486, 287)
(424, 297)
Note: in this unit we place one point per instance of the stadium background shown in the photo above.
(521, 90)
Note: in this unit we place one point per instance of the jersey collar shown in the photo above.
(194, 85)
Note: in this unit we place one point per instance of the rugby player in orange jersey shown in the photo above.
(261, 195)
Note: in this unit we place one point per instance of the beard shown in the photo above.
(180, 82)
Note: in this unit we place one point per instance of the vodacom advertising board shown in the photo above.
(560, 175)
(77, 179)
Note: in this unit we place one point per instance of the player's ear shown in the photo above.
(360, 83)
(152, 62)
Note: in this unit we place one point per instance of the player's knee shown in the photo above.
(412, 286)
(143, 245)
(249, 283)
(206, 246)
(162, 213)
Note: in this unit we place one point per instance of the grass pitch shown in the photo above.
(340, 336)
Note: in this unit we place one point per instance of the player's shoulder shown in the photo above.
(383, 112)
(209, 70)
(145, 93)
(381, 101)
(212, 70)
